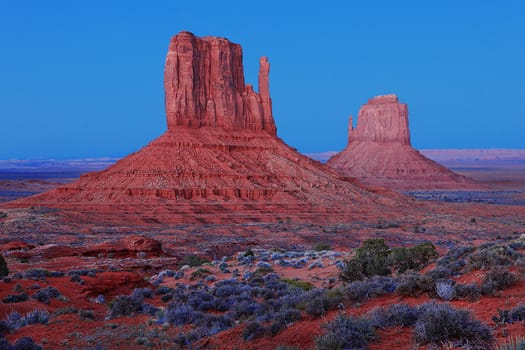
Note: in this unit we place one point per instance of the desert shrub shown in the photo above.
(439, 274)
(413, 284)
(496, 280)
(65, 310)
(14, 321)
(454, 255)
(352, 270)
(488, 258)
(25, 343)
(4, 270)
(320, 246)
(470, 292)
(144, 293)
(16, 298)
(518, 343)
(306, 286)
(440, 323)
(36, 274)
(286, 347)
(346, 332)
(358, 291)
(194, 260)
(163, 290)
(510, 316)
(199, 273)
(179, 315)
(253, 330)
(283, 319)
(445, 290)
(86, 314)
(318, 303)
(126, 305)
(395, 315)
(36, 316)
(248, 252)
(46, 294)
(413, 258)
(244, 309)
(373, 254)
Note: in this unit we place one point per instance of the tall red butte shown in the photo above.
(220, 160)
(379, 152)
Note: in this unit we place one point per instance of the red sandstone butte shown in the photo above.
(379, 152)
(220, 161)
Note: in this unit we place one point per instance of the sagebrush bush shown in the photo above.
(46, 294)
(497, 280)
(346, 332)
(510, 316)
(253, 330)
(413, 284)
(440, 323)
(363, 290)
(445, 290)
(470, 291)
(395, 315)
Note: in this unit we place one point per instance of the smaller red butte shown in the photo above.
(379, 152)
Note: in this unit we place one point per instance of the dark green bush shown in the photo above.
(321, 246)
(194, 260)
(4, 271)
(374, 258)
(306, 286)
(412, 258)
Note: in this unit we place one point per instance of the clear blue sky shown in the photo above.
(85, 78)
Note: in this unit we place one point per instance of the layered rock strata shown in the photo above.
(219, 161)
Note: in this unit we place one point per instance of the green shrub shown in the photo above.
(199, 273)
(413, 258)
(374, 258)
(321, 246)
(249, 252)
(4, 271)
(306, 286)
(194, 260)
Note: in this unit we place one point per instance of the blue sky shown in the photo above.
(84, 78)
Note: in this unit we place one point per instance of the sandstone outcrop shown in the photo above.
(379, 152)
(219, 161)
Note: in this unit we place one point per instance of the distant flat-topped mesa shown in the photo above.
(379, 152)
(220, 160)
(204, 84)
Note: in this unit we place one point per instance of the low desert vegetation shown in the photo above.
(375, 258)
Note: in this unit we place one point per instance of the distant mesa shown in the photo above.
(379, 152)
(220, 160)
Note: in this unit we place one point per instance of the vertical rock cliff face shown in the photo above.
(379, 152)
(204, 84)
(220, 160)
(383, 120)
